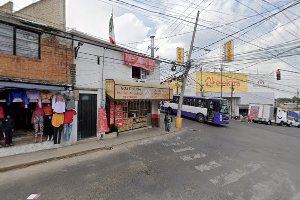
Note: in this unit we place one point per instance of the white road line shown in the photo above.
(183, 149)
(235, 175)
(192, 156)
(173, 144)
(209, 166)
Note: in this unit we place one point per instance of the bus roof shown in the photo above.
(213, 98)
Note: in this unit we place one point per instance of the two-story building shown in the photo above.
(125, 83)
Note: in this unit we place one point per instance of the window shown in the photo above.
(6, 39)
(136, 72)
(139, 73)
(175, 99)
(200, 103)
(14, 41)
(27, 44)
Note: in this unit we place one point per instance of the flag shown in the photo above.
(112, 39)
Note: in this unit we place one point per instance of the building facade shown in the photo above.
(123, 83)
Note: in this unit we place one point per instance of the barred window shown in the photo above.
(27, 44)
(6, 39)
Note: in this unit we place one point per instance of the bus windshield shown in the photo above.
(224, 107)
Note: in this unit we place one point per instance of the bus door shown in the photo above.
(211, 107)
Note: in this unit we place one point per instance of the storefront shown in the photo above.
(30, 106)
(133, 105)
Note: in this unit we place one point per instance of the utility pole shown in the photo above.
(152, 47)
(297, 99)
(201, 82)
(221, 54)
(185, 74)
(231, 100)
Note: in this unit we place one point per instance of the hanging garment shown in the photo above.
(21, 94)
(34, 95)
(69, 114)
(48, 129)
(57, 134)
(68, 131)
(58, 104)
(38, 111)
(57, 119)
(39, 125)
(46, 96)
(1, 112)
(47, 109)
(70, 103)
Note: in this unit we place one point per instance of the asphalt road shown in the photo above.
(236, 162)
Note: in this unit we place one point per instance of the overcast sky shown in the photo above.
(218, 19)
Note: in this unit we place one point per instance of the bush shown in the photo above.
(113, 128)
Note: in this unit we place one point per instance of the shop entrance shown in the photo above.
(87, 116)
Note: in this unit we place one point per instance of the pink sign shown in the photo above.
(102, 121)
(138, 60)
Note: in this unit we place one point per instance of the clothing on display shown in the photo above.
(57, 119)
(70, 103)
(57, 134)
(47, 109)
(34, 95)
(46, 96)
(58, 104)
(20, 94)
(1, 112)
(48, 129)
(68, 131)
(8, 129)
(69, 114)
(39, 125)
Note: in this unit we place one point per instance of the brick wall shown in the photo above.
(53, 67)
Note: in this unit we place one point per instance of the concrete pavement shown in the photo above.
(240, 161)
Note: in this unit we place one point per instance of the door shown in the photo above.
(87, 116)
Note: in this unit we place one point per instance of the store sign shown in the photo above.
(132, 92)
(138, 60)
(228, 51)
(180, 55)
(212, 82)
(102, 121)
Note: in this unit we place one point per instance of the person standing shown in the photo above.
(168, 122)
(9, 125)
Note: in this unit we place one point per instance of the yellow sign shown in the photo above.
(180, 55)
(228, 50)
(110, 88)
(175, 85)
(212, 82)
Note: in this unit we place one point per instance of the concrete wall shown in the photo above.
(48, 12)
(52, 67)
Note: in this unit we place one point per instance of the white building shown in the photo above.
(131, 81)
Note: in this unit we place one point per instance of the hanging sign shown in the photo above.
(102, 121)
(180, 55)
(228, 51)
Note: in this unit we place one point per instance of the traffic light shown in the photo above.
(278, 74)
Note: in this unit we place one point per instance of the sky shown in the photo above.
(265, 36)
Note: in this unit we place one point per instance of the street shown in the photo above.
(239, 161)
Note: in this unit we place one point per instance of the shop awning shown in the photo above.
(4, 84)
(121, 90)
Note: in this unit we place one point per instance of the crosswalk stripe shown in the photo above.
(209, 166)
(235, 175)
(173, 144)
(183, 149)
(192, 156)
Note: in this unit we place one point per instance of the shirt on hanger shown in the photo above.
(58, 104)
(46, 96)
(47, 109)
(34, 95)
(1, 113)
(21, 94)
(69, 114)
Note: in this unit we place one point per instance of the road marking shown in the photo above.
(183, 149)
(192, 156)
(173, 144)
(235, 175)
(209, 166)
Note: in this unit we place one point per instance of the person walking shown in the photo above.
(168, 122)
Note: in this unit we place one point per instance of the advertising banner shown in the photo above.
(212, 82)
(228, 51)
(180, 55)
(102, 121)
(138, 60)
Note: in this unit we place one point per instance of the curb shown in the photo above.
(80, 153)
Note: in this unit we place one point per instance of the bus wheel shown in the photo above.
(170, 111)
(200, 118)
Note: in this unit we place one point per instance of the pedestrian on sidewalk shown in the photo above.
(168, 122)
(8, 130)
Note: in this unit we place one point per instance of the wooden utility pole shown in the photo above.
(185, 74)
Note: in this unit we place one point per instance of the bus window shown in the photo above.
(175, 99)
(200, 103)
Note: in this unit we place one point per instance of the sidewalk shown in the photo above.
(82, 147)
